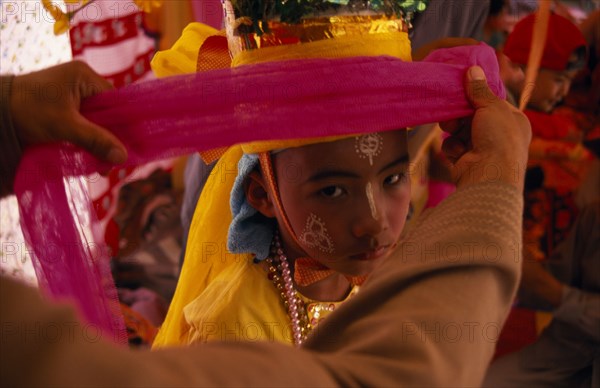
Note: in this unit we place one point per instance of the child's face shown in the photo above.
(550, 88)
(347, 200)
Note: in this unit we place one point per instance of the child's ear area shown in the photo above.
(255, 189)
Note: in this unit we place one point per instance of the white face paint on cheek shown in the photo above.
(371, 200)
(315, 235)
(368, 146)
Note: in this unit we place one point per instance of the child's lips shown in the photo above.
(372, 254)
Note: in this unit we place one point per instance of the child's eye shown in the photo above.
(393, 179)
(332, 191)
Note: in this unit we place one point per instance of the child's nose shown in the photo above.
(369, 223)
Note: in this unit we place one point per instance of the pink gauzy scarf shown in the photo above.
(184, 114)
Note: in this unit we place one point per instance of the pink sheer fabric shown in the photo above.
(179, 115)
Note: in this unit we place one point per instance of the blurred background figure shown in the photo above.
(561, 241)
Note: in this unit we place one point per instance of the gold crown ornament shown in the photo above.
(271, 26)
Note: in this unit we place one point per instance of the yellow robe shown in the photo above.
(250, 308)
(242, 304)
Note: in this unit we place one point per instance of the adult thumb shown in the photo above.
(478, 91)
(96, 140)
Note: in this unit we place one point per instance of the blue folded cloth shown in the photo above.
(250, 231)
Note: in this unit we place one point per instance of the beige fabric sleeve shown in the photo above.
(428, 316)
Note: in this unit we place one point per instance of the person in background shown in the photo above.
(560, 271)
(556, 151)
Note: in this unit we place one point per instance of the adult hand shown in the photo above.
(45, 108)
(493, 144)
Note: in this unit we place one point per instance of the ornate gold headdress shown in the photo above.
(263, 30)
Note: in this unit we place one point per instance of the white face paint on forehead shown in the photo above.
(368, 146)
(370, 198)
(315, 235)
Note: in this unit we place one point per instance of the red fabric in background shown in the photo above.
(110, 37)
(518, 331)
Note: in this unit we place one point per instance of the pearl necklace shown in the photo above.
(280, 275)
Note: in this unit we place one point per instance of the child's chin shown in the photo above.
(361, 268)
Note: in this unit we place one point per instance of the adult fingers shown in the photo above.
(450, 126)
(95, 139)
(478, 92)
(454, 148)
(89, 82)
(456, 125)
